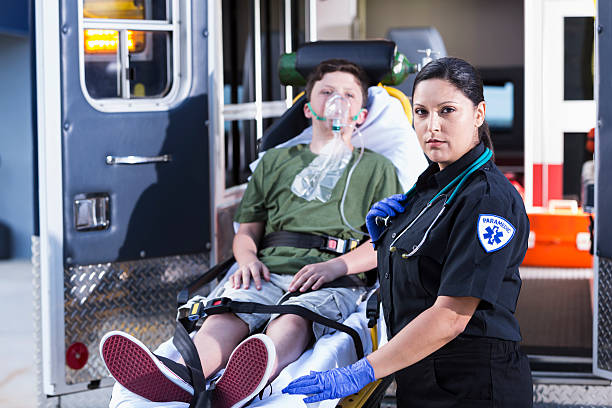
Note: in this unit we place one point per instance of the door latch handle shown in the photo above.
(111, 160)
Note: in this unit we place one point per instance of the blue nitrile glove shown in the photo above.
(388, 207)
(331, 384)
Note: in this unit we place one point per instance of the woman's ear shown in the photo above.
(361, 117)
(479, 114)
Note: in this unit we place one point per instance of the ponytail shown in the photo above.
(484, 135)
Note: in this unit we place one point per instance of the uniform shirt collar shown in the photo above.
(433, 177)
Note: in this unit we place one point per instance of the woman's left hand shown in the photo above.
(385, 208)
(313, 276)
(331, 384)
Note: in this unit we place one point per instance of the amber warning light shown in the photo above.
(107, 41)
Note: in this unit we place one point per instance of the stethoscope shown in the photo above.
(457, 182)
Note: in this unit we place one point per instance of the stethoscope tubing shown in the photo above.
(459, 180)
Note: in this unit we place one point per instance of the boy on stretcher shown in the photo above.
(299, 189)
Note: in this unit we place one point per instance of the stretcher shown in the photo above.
(387, 131)
(330, 351)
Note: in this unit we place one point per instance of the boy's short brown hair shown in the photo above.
(342, 65)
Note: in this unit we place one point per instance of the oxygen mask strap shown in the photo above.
(354, 118)
(317, 117)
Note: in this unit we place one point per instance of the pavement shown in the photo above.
(17, 371)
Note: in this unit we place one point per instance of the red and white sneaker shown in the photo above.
(140, 371)
(247, 372)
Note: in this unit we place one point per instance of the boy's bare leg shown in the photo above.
(290, 334)
(216, 339)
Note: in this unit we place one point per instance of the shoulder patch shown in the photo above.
(494, 232)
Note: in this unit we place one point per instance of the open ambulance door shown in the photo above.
(123, 173)
(602, 313)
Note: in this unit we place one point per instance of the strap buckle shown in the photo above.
(340, 246)
(213, 306)
(196, 312)
(218, 305)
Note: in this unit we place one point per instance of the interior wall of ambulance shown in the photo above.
(486, 33)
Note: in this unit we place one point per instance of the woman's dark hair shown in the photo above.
(465, 78)
(335, 65)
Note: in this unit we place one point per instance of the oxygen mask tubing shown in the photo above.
(320, 177)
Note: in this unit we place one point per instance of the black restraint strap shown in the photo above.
(333, 245)
(292, 239)
(224, 305)
(185, 346)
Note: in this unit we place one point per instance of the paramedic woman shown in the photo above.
(448, 257)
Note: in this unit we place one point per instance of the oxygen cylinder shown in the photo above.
(289, 75)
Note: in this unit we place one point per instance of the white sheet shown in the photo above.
(332, 350)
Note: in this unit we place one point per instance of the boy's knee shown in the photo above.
(289, 322)
(224, 321)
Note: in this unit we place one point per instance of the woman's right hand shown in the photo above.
(254, 269)
(388, 207)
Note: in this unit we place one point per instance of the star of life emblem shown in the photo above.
(494, 232)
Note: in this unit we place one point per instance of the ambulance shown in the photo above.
(148, 113)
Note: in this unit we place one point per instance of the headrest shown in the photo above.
(378, 58)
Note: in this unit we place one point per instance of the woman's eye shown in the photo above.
(349, 95)
(326, 92)
(420, 111)
(448, 109)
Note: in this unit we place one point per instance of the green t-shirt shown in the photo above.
(268, 198)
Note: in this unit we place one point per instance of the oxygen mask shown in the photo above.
(320, 177)
(336, 111)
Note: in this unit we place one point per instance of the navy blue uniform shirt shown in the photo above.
(473, 249)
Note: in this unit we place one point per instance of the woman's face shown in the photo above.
(445, 120)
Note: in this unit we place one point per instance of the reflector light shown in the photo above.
(77, 355)
(107, 41)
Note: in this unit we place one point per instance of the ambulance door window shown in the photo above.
(578, 58)
(126, 9)
(131, 57)
(102, 77)
(575, 154)
(148, 76)
(577, 86)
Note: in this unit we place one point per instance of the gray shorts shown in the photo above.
(333, 303)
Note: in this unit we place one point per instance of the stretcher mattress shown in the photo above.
(332, 350)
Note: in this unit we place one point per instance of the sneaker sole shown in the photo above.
(132, 364)
(248, 370)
